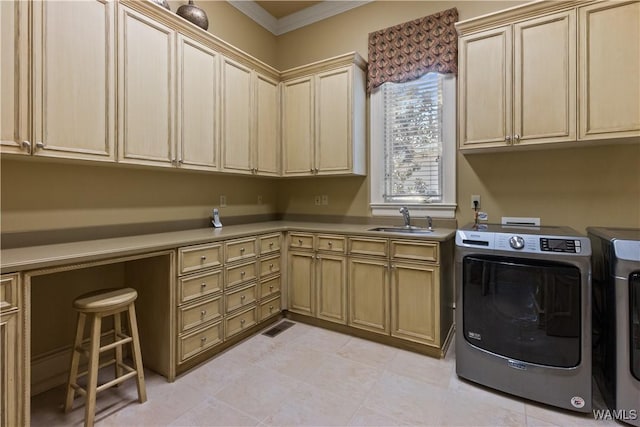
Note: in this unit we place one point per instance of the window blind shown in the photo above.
(413, 140)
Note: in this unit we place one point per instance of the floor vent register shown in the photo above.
(282, 326)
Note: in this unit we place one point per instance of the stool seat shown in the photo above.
(105, 300)
(92, 307)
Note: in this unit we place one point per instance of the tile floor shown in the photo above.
(307, 376)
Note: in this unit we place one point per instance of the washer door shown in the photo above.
(523, 309)
(634, 323)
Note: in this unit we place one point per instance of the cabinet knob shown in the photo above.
(203, 258)
(203, 339)
(270, 287)
(242, 297)
(270, 308)
(203, 285)
(241, 250)
(316, 171)
(242, 322)
(203, 313)
(270, 244)
(516, 138)
(270, 266)
(311, 170)
(25, 145)
(300, 242)
(330, 243)
(40, 145)
(242, 273)
(508, 139)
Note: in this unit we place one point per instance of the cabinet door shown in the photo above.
(146, 90)
(14, 77)
(331, 287)
(237, 116)
(300, 280)
(334, 115)
(197, 109)
(415, 307)
(10, 385)
(369, 294)
(297, 127)
(74, 79)
(267, 135)
(544, 105)
(609, 70)
(485, 88)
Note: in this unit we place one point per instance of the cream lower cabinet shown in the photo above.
(12, 405)
(317, 276)
(608, 70)
(323, 118)
(413, 288)
(369, 294)
(250, 113)
(518, 83)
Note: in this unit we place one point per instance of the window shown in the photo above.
(413, 146)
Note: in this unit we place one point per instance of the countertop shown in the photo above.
(37, 257)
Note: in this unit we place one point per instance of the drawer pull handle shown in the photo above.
(270, 244)
(242, 322)
(300, 242)
(204, 285)
(242, 297)
(203, 258)
(270, 308)
(330, 243)
(203, 339)
(270, 287)
(242, 273)
(241, 250)
(271, 266)
(203, 313)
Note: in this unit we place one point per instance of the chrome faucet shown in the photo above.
(430, 223)
(405, 214)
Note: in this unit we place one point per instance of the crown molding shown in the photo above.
(305, 17)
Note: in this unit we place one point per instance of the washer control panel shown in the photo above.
(525, 243)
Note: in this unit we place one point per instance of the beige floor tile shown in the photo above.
(312, 406)
(297, 361)
(258, 392)
(421, 368)
(214, 375)
(213, 412)
(366, 417)
(406, 400)
(367, 352)
(348, 378)
(467, 389)
(462, 408)
(322, 340)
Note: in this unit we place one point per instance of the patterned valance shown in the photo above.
(408, 51)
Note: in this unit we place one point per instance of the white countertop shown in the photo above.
(36, 257)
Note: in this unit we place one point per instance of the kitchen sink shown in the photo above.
(407, 230)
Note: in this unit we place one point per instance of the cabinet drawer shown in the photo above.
(269, 243)
(270, 308)
(240, 273)
(240, 322)
(236, 250)
(301, 241)
(241, 297)
(198, 314)
(9, 292)
(368, 247)
(199, 285)
(269, 287)
(269, 266)
(414, 251)
(199, 341)
(199, 257)
(331, 244)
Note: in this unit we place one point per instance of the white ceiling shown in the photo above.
(282, 17)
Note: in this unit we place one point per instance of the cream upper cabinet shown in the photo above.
(197, 107)
(250, 111)
(324, 118)
(146, 50)
(297, 127)
(71, 98)
(267, 126)
(237, 101)
(609, 70)
(15, 136)
(517, 83)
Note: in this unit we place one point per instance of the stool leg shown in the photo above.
(117, 329)
(75, 360)
(137, 354)
(92, 375)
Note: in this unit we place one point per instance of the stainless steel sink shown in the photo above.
(407, 230)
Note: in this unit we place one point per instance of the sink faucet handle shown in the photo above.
(407, 218)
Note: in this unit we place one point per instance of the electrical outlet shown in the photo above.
(223, 201)
(318, 200)
(259, 200)
(475, 198)
(325, 199)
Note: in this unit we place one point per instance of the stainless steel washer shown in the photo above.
(616, 280)
(523, 312)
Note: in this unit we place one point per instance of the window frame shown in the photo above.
(444, 209)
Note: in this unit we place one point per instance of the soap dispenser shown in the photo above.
(216, 219)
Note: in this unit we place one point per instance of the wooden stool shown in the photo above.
(93, 307)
